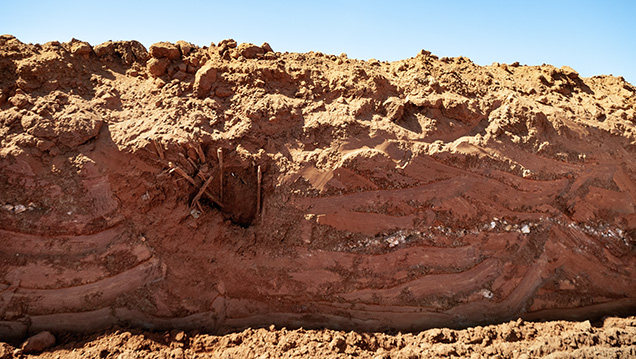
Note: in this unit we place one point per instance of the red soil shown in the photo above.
(227, 187)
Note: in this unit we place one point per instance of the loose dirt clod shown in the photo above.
(38, 343)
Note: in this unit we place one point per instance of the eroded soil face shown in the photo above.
(227, 187)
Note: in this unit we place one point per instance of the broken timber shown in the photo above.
(258, 189)
(219, 153)
(158, 148)
(203, 190)
(181, 172)
(200, 152)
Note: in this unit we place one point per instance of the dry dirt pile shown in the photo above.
(615, 338)
(231, 186)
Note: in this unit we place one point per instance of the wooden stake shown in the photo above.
(213, 198)
(181, 172)
(258, 189)
(191, 161)
(201, 191)
(199, 150)
(186, 163)
(262, 212)
(158, 148)
(219, 153)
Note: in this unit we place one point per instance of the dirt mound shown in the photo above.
(615, 338)
(231, 186)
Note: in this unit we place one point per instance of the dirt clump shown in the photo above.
(38, 343)
(229, 187)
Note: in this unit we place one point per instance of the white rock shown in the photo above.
(486, 293)
(395, 239)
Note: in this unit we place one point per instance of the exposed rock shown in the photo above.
(248, 51)
(229, 43)
(157, 67)
(204, 79)
(164, 49)
(266, 47)
(127, 51)
(104, 49)
(38, 343)
(80, 48)
(185, 47)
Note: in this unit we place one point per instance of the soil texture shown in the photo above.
(227, 187)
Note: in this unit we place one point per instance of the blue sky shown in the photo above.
(593, 37)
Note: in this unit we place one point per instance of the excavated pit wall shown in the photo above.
(230, 186)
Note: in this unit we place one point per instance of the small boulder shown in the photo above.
(266, 47)
(104, 49)
(134, 48)
(184, 47)
(204, 79)
(249, 51)
(270, 56)
(164, 50)
(157, 67)
(229, 43)
(38, 343)
(127, 51)
(80, 48)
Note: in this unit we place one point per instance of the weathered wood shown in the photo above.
(181, 172)
(199, 150)
(191, 161)
(258, 190)
(158, 148)
(196, 198)
(219, 153)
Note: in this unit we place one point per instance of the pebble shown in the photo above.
(486, 293)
